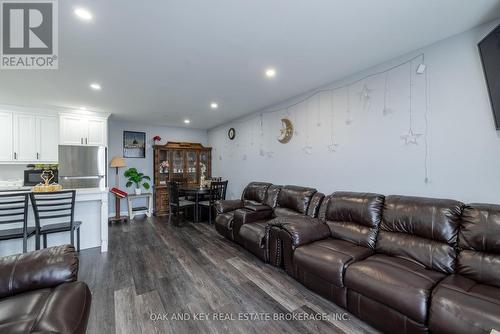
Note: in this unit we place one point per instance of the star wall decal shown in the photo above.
(244, 157)
(365, 97)
(270, 154)
(262, 153)
(411, 137)
(349, 119)
(307, 149)
(332, 147)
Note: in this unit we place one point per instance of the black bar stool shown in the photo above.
(14, 210)
(59, 208)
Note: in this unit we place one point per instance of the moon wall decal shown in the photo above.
(286, 131)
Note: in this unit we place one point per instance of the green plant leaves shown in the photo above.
(134, 177)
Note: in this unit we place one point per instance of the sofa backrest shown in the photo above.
(293, 200)
(255, 192)
(315, 204)
(422, 230)
(354, 217)
(479, 244)
(272, 195)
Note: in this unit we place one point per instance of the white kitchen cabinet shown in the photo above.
(96, 132)
(25, 138)
(83, 130)
(72, 130)
(47, 129)
(6, 136)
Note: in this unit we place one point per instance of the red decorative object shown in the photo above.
(156, 138)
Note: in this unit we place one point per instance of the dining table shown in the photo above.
(197, 193)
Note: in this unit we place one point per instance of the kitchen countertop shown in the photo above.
(79, 191)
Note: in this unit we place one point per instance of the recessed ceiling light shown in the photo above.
(270, 72)
(187, 121)
(214, 105)
(83, 14)
(95, 86)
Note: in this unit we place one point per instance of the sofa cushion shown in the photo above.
(421, 229)
(255, 191)
(355, 217)
(479, 241)
(402, 285)
(329, 258)
(253, 238)
(460, 305)
(63, 309)
(295, 198)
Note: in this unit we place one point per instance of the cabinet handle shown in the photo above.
(38, 156)
(15, 156)
(86, 141)
(81, 140)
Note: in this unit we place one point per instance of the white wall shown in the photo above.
(463, 157)
(115, 147)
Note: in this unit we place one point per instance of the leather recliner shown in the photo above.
(253, 194)
(468, 302)
(318, 252)
(39, 293)
(250, 225)
(415, 248)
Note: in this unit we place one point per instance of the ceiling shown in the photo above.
(161, 61)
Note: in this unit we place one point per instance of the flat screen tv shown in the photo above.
(489, 48)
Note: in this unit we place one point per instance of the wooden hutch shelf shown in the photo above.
(176, 161)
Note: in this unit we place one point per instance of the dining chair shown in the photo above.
(14, 214)
(217, 192)
(55, 213)
(174, 202)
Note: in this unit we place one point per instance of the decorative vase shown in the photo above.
(137, 191)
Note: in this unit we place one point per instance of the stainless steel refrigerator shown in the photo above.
(82, 166)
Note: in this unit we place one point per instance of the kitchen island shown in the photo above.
(91, 208)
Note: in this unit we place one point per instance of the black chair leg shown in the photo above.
(78, 239)
(209, 215)
(45, 241)
(25, 244)
(37, 241)
(72, 237)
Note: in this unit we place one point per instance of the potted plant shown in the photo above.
(134, 177)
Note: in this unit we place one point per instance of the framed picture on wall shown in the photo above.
(134, 144)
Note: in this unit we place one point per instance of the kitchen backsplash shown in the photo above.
(11, 172)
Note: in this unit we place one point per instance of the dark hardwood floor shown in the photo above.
(159, 270)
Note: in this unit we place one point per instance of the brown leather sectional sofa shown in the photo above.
(39, 293)
(402, 264)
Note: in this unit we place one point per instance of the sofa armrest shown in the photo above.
(41, 269)
(257, 207)
(302, 229)
(245, 216)
(228, 205)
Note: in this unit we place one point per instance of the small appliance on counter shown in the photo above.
(82, 166)
(33, 175)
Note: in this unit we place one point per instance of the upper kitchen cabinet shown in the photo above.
(28, 137)
(6, 136)
(83, 130)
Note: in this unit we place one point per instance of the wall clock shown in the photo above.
(286, 131)
(231, 133)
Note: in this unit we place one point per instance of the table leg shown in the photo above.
(196, 208)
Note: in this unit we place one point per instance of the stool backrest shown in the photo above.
(218, 190)
(14, 210)
(173, 193)
(55, 207)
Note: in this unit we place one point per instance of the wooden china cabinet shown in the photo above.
(177, 161)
